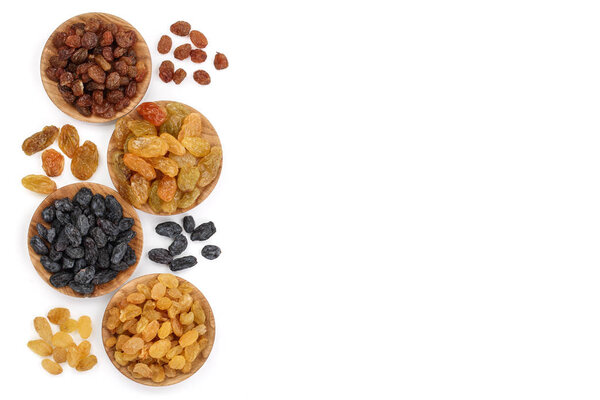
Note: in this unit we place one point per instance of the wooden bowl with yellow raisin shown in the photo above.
(158, 329)
(164, 168)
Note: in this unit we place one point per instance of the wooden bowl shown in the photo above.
(208, 132)
(142, 53)
(129, 288)
(69, 191)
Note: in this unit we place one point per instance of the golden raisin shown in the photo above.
(68, 326)
(59, 315)
(187, 178)
(68, 140)
(39, 184)
(188, 338)
(198, 146)
(209, 166)
(87, 363)
(43, 329)
(84, 326)
(52, 162)
(41, 140)
(40, 347)
(51, 366)
(165, 165)
(175, 145)
(167, 187)
(85, 161)
(192, 126)
(139, 165)
(177, 362)
(59, 354)
(158, 291)
(62, 339)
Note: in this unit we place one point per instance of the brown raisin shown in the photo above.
(52, 162)
(68, 140)
(141, 71)
(106, 39)
(198, 55)
(66, 93)
(164, 44)
(166, 71)
(182, 52)
(198, 39)
(179, 75)
(202, 77)
(89, 40)
(85, 161)
(113, 80)
(181, 28)
(59, 39)
(73, 41)
(93, 25)
(77, 87)
(120, 67)
(84, 101)
(221, 61)
(97, 74)
(41, 140)
(131, 89)
(125, 39)
(102, 63)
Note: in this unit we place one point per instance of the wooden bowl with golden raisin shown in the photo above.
(158, 329)
(165, 157)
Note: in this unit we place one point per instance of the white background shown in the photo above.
(409, 205)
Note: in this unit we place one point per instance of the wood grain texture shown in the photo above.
(208, 132)
(69, 191)
(51, 88)
(122, 294)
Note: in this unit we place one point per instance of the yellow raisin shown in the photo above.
(39, 184)
(136, 298)
(198, 146)
(148, 146)
(43, 329)
(87, 363)
(158, 291)
(62, 339)
(164, 330)
(186, 318)
(169, 280)
(85, 161)
(145, 290)
(163, 303)
(133, 345)
(73, 356)
(185, 160)
(209, 166)
(150, 331)
(191, 352)
(175, 145)
(188, 178)
(159, 348)
(40, 347)
(143, 370)
(174, 351)
(68, 140)
(189, 198)
(141, 128)
(110, 342)
(199, 316)
(158, 373)
(59, 354)
(84, 348)
(51, 366)
(129, 312)
(84, 326)
(68, 326)
(192, 126)
(165, 165)
(177, 362)
(188, 338)
(120, 340)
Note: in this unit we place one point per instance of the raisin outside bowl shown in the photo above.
(52, 87)
(120, 297)
(115, 155)
(69, 191)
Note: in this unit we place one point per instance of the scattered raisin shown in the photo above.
(198, 55)
(39, 183)
(164, 44)
(166, 71)
(52, 162)
(85, 161)
(211, 252)
(202, 77)
(221, 61)
(198, 39)
(182, 52)
(40, 140)
(181, 28)
(179, 76)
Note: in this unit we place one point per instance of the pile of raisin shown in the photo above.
(86, 242)
(158, 330)
(174, 231)
(167, 72)
(96, 67)
(84, 158)
(60, 345)
(164, 159)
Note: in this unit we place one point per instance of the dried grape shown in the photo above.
(182, 263)
(41, 140)
(85, 161)
(40, 347)
(39, 184)
(166, 71)
(59, 354)
(179, 75)
(42, 327)
(211, 252)
(87, 363)
(141, 128)
(152, 113)
(198, 56)
(148, 146)
(197, 146)
(191, 126)
(139, 165)
(202, 77)
(139, 190)
(181, 28)
(189, 198)
(204, 231)
(189, 224)
(175, 145)
(52, 162)
(182, 52)
(198, 39)
(187, 178)
(68, 140)
(164, 44)
(51, 366)
(221, 61)
(209, 166)
(84, 326)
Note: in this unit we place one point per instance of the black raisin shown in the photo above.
(91, 251)
(118, 253)
(104, 276)
(182, 263)
(61, 242)
(63, 217)
(61, 279)
(54, 255)
(99, 236)
(130, 258)
(82, 288)
(50, 265)
(51, 235)
(75, 252)
(103, 258)
(48, 214)
(85, 275)
(189, 224)
(178, 246)
(83, 224)
(38, 245)
(75, 214)
(125, 236)
(72, 234)
(114, 211)
(121, 266)
(160, 256)
(63, 205)
(42, 231)
(204, 231)
(83, 197)
(67, 263)
(108, 227)
(169, 229)
(211, 252)
(79, 265)
(125, 224)
(98, 205)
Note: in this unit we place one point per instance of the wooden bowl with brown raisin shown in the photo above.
(96, 67)
(148, 329)
(145, 179)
